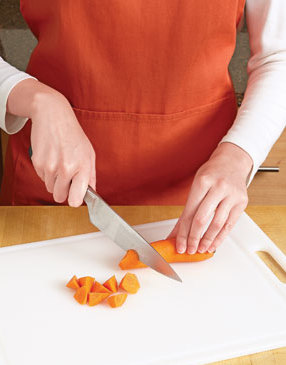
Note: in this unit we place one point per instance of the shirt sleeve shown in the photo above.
(262, 115)
(10, 77)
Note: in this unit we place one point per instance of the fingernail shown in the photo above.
(181, 249)
(191, 250)
(202, 249)
(74, 204)
(211, 249)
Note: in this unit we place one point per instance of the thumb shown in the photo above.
(92, 178)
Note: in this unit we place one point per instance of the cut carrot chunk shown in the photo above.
(73, 283)
(130, 283)
(116, 300)
(86, 281)
(81, 295)
(131, 261)
(111, 284)
(95, 298)
(167, 249)
(99, 288)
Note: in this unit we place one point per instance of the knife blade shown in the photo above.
(112, 225)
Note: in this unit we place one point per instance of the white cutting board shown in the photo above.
(227, 306)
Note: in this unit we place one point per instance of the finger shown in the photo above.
(61, 188)
(45, 164)
(78, 188)
(92, 179)
(50, 174)
(198, 191)
(231, 220)
(217, 223)
(50, 180)
(202, 217)
(38, 167)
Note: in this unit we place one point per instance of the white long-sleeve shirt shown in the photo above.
(262, 115)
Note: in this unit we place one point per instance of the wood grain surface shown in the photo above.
(269, 188)
(29, 224)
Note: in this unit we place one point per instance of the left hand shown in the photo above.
(219, 194)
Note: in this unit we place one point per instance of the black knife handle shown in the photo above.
(30, 152)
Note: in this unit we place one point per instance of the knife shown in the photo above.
(112, 225)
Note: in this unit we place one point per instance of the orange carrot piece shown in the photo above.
(167, 249)
(116, 300)
(111, 284)
(73, 283)
(86, 281)
(81, 295)
(130, 283)
(99, 288)
(131, 261)
(96, 298)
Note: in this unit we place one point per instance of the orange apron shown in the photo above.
(148, 81)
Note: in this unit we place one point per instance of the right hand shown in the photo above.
(63, 156)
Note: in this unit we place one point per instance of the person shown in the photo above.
(134, 98)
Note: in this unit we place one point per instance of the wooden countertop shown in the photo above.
(269, 188)
(30, 224)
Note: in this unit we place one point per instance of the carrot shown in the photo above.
(99, 288)
(86, 281)
(130, 261)
(95, 298)
(116, 300)
(167, 249)
(81, 295)
(73, 283)
(130, 283)
(111, 284)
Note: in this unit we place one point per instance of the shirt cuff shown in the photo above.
(238, 140)
(11, 123)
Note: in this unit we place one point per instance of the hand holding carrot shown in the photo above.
(219, 190)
